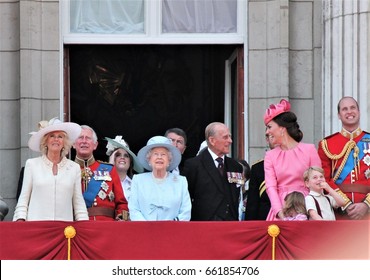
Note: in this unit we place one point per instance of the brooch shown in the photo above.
(86, 174)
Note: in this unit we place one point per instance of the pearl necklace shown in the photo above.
(159, 180)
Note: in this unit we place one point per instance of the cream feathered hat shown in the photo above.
(72, 129)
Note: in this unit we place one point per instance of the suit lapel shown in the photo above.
(210, 167)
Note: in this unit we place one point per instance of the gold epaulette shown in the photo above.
(262, 188)
(367, 200)
(347, 201)
(258, 161)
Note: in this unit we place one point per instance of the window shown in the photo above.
(107, 17)
(194, 16)
(152, 21)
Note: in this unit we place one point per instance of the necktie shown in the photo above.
(220, 165)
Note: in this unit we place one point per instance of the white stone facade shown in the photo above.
(309, 51)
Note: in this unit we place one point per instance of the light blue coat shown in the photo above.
(151, 200)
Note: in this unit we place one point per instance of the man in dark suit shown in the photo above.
(258, 202)
(214, 187)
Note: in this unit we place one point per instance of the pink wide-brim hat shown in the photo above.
(276, 109)
(72, 129)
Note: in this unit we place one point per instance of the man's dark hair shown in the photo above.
(178, 131)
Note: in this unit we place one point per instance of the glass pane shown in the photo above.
(107, 16)
(199, 16)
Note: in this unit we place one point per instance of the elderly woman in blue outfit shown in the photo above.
(159, 195)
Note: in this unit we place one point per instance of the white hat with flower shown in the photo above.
(118, 142)
(72, 129)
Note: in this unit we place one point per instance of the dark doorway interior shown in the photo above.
(139, 91)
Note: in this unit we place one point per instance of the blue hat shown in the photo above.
(159, 141)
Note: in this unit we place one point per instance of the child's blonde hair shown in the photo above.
(308, 172)
(294, 201)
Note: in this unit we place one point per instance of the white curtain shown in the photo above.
(178, 16)
(107, 16)
(199, 16)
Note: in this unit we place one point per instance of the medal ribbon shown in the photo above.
(94, 185)
(351, 164)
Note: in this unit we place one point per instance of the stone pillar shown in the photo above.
(40, 73)
(346, 56)
(30, 82)
(268, 65)
(284, 61)
(9, 103)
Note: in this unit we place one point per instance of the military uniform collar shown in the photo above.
(84, 163)
(351, 135)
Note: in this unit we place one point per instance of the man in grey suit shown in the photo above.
(214, 184)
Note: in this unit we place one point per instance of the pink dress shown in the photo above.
(298, 217)
(284, 173)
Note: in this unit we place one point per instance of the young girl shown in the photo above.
(294, 207)
(320, 206)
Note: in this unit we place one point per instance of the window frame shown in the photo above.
(152, 30)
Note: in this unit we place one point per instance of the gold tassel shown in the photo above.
(344, 153)
(356, 161)
(273, 231)
(69, 233)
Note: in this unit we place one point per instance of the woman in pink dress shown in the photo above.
(285, 164)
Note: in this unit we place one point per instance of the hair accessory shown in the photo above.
(276, 109)
(113, 144)
(118, 142)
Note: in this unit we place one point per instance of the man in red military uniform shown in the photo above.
(345, 157)
(101, 185)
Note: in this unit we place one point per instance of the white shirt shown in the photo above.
(214, 156)
(126, 186)
(326, 208)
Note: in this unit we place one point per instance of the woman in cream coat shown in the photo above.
(51, 188)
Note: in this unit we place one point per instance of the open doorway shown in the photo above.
(139, 91)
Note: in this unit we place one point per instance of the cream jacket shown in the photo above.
(45, 196)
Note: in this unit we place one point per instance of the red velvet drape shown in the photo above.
(304, 240)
